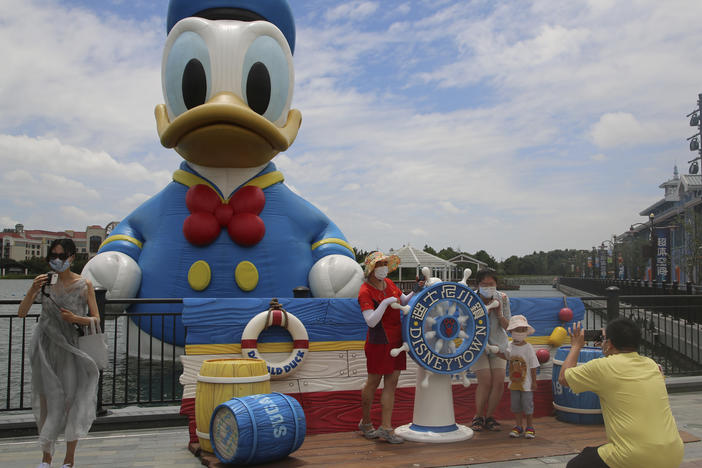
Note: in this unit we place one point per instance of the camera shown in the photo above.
(593, 335)
(51, 278)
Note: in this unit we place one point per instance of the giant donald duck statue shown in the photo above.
(226, 225)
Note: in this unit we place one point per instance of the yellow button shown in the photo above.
(199, 275)
(246, 276)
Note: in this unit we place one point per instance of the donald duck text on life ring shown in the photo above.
(276, 316)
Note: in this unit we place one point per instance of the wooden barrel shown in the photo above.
(257, 428)
(581, 408)
(221, 379)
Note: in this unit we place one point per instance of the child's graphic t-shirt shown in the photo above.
(521, 360)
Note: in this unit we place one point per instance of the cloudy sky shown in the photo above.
(498, 125)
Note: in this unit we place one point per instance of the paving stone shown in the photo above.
(167, 447)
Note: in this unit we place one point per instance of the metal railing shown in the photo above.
(628, 287)
(141, 369)
(671, 324)
(671, 327)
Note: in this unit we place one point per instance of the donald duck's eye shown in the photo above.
(266, 78)
(187, 81)
(194, 84)
(258, 88)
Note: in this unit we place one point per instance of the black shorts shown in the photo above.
(588, 458)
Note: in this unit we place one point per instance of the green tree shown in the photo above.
(429, 250)
(361, 254)
(35, 265)
(79, 262)
(511, 265)
(447, 253)
(483, 256)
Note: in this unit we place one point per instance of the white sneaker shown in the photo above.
(44, 465)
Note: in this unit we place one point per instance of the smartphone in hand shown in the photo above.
(593, 335)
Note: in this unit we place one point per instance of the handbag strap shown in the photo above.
(94, 326)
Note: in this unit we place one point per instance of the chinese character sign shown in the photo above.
(662, 267)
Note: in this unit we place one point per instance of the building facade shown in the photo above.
(19, 244)
(673, 234)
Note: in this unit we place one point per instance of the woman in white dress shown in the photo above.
(64, 379)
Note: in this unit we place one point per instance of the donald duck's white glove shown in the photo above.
(335, 276)
(116, 272)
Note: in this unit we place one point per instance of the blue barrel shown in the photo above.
(257, 428)
(581, 408)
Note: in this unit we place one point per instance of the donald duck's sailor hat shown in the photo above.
(277, 12)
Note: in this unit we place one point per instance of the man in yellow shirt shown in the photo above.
(641, 430)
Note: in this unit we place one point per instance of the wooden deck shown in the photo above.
(350, 449)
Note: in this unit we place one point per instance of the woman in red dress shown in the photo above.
(377, 294)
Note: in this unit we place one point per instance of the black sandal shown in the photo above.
(492, 425)
(477, 424)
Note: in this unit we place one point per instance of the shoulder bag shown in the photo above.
(93, 343)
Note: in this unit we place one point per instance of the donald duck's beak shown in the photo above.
(225, 132)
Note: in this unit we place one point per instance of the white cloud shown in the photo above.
(599, 157)
(82, 217)
(7, 222)
(50, 154)
(449, 207)
(623, 129)
(133, 201)
(351, 187)
(93, 80)
(403, 9)
(354, 10)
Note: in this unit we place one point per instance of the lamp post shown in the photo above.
(696, 121)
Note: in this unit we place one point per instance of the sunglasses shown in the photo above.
(62, 256)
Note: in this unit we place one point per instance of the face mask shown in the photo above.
(381, 272)
(519, 336)
(487, 291)
(59, 266)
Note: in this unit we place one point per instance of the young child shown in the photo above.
(522, 375)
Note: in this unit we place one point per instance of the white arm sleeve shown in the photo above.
(404, 299)
(373, 316)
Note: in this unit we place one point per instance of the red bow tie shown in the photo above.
(209, 215)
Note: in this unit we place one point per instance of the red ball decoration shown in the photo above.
(202, 198)
(201, 228)
(246, 229)
(565, 314)
(543, 355)
(224, 214)
(249, 199)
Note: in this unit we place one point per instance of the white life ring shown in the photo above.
(301, 344)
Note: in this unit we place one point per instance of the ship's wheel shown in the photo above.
(445, 329)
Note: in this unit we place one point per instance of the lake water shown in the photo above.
(535, 290)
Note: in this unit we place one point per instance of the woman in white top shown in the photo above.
(490, 369)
